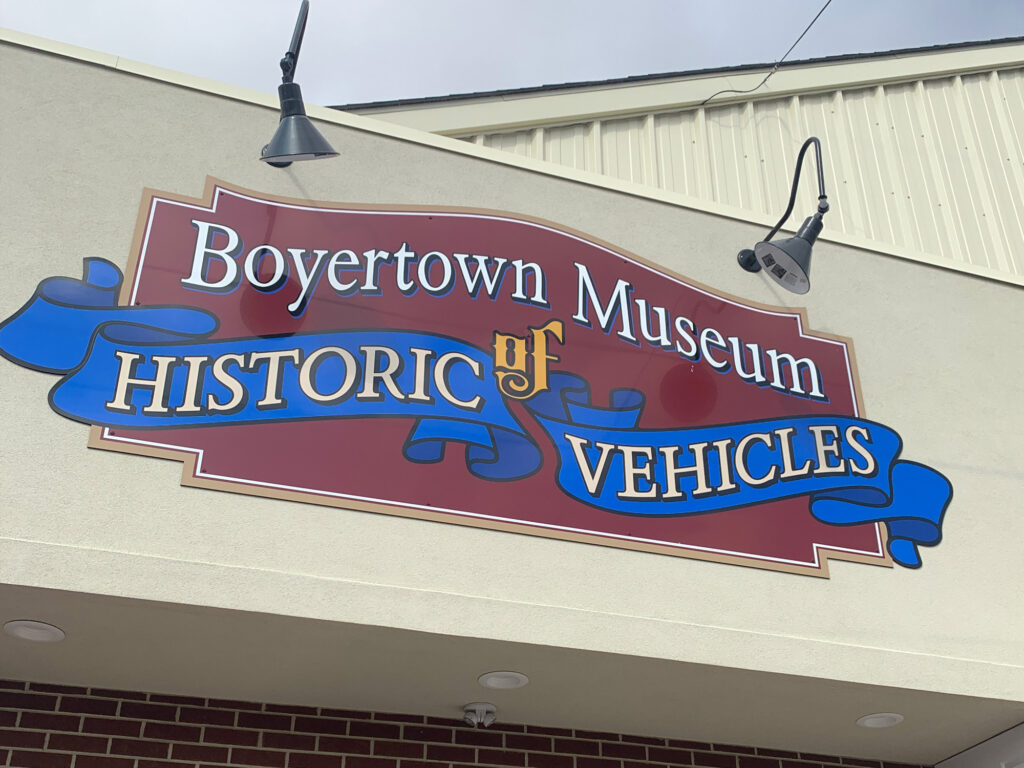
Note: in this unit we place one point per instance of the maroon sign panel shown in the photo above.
(477, 368)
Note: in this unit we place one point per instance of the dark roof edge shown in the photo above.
(669, 75)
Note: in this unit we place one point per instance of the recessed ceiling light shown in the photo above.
(880, 720)
(34, 631)
(503, 680)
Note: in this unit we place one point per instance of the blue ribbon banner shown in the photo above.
(846, 466)
(156, 368)
(153, 368)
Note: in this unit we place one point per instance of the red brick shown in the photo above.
(261, 757)
(577, 747)
(398, 718)
(354, 714)
(47, 688)
(48, 722)
(532, 743)
(641, 764)
(734, 749)
(289, 741)
(199, 752)
(544, 730)
(508, 727)
(597, 762)
(357, 761)
(403, 763)
(206, 716)
(109, 693)
(585, 762)
(111, 727)
(162, 764)
(372, 730)
(172, 732)
(670, 755)
(689, 744)
(631, 751)
(447, 754)
(103, 761)
(775, 753)
(191, 701)
(88, 706)
(451, 722)
(397, 749)
(143, 711)
(426, 733)
(290, 709)
(13, 685)
(603, 735)
(9, 717)
(478, 738)
(644, 740)
(341, 727)
(22, 759)
(819, 758)
(231, 736)
(799, 764)
(545, 760)
(759, 762)
(16, 700)
(264, 721)
(346, 745)
(714, 760)
(138, 748)
(9, 737)
(500, 757)
(298, 760)
(72, 742)
(233, 704)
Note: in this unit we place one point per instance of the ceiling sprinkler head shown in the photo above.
(479, 713)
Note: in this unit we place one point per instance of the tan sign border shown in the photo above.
(189, 458)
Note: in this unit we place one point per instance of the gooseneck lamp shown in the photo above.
(296, 137)
(788, 262)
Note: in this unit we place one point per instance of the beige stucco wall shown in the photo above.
(937, 352)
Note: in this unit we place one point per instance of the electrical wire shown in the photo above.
(775, 67)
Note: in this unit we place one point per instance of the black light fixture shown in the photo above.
(788, 261)
(296, 137)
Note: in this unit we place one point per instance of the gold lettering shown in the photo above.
(521, 364)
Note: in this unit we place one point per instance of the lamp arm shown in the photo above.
(291, 58)
(822, 197)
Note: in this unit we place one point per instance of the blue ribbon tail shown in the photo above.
(54, 331)
(912, 515)
(492, 453)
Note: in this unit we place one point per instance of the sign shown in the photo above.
(477, 368)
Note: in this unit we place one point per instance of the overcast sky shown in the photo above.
(373, 50)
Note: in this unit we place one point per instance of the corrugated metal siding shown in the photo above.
(933, 167)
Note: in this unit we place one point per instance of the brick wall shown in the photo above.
(56, 726)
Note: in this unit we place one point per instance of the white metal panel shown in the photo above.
(929, 168)
(519, 143)
(569, 145)
(623, 150)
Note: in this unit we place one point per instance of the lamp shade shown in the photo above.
(296, 137)
(788, 261)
